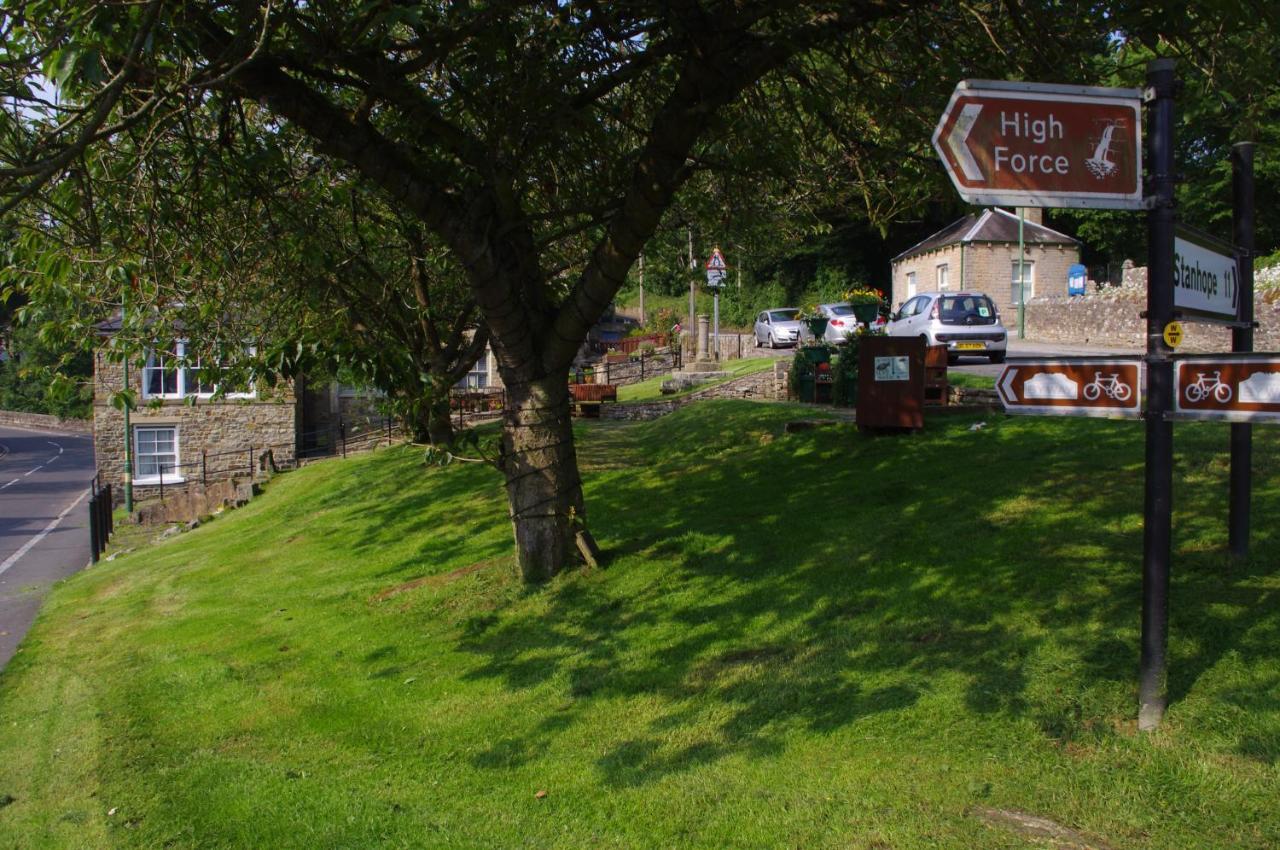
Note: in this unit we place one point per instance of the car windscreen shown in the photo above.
(966, 310)
(841, 310)
(782, 315)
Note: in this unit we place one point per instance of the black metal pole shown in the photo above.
(1158, 502)
(95, 547)
(1242, 340)
(342, 432)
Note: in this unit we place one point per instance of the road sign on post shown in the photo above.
(1073, 386)
(1206, 282)
(1042, 145)
(1228, 387)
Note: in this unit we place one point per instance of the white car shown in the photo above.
(967, 323)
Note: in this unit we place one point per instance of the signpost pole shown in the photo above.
(1158, 502)
(1242, 341)
(715, 321)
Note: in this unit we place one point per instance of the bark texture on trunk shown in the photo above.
(544, 491)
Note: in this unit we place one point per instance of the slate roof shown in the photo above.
(990, 226)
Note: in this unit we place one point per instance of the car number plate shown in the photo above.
(969, 346)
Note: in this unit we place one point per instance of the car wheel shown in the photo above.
(997, 356)
(953, 359)
(756, 338)
(772, 344)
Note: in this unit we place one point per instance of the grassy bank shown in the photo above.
(651, 389)
(811, 640)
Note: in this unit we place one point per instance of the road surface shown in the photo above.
(44, 521)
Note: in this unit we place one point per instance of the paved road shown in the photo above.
(44, 522)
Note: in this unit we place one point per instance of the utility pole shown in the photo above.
(693, 283)
(642, 313)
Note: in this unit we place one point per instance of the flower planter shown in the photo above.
(817, 326)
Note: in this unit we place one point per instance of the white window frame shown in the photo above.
(911, 285)
(1028, 282)
(155, 478)
(942, 273)
(186, 374)
(478, 376)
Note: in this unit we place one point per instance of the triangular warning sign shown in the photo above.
(717, 260)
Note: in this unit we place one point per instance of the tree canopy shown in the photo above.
(543, 144)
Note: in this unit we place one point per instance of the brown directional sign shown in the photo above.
(1072, 387)
(1230, 387)
(1040, 145)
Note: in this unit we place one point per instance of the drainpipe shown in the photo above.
(128, 432)
(1022, 282)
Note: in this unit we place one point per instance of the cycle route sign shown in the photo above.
(1229, 387)
(1073, 386)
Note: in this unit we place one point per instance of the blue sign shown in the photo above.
(1076, 279)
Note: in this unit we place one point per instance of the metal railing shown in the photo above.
(101, 522)
(335, 440)
(633, 370)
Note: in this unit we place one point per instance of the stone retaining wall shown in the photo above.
(759, 386)
(1111, 317)
(41, 420)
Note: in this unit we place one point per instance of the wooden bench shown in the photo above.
(587, 398)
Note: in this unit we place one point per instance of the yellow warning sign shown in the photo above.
(1173, 334)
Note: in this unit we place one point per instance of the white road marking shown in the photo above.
(26, 547)
(37, 469)
(14, 481)
(55, 445)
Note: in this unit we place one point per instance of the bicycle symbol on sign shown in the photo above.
(1111, 386)
(1206, 384)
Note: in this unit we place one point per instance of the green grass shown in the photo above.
(651, 389)
(968, 379)
(813, 640)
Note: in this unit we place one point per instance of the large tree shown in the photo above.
(541, 142)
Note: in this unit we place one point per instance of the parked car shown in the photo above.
(778, 327)
(965, 322)
(841, 321)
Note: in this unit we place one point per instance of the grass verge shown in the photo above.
(811, 640)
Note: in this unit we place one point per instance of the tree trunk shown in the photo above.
(433, 424)
(544, 492)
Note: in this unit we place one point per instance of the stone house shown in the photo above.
(980, 252)
(180, 431)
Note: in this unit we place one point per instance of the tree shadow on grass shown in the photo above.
(837, 579)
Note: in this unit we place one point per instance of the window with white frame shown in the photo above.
(176, 374)
(155, 454)
(478, 377)
(1024, 283)
(944, 275)
(911, 284)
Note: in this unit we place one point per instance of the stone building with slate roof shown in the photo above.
(980, 253)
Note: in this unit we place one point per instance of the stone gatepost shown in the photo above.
(704, 336)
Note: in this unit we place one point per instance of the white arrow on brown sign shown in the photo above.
(1073, 386)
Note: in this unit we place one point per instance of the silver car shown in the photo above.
(778, 327)
(965, 322)
(841, 321)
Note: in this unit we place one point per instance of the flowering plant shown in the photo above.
(862, 295)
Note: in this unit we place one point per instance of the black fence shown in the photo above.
(101, 523)
(636, 368)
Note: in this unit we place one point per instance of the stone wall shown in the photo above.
(43, 421)
(759, 386)
(1111, 317)
(224, 433)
